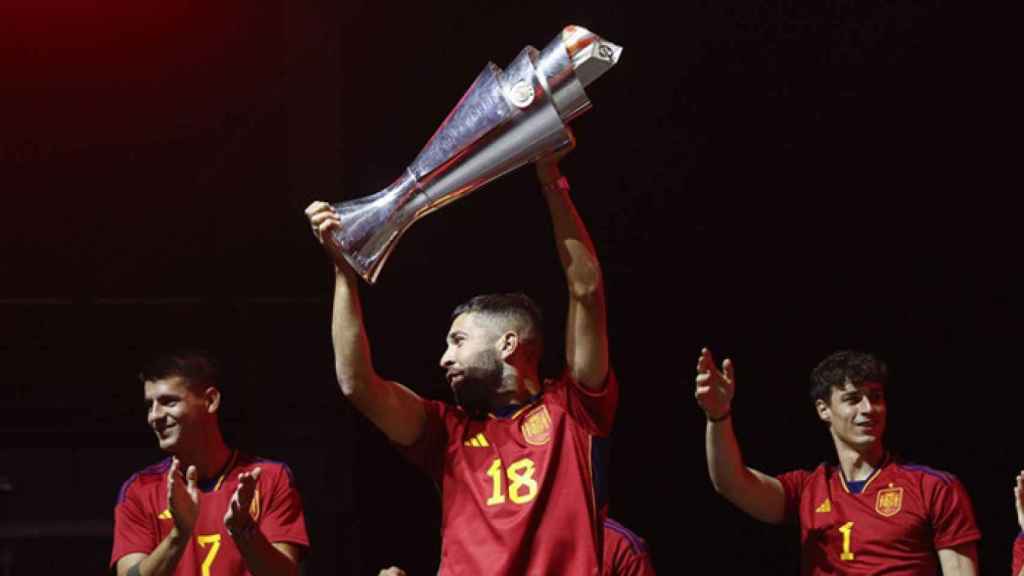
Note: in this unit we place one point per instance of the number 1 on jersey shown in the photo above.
(847, 532)
(498, 495)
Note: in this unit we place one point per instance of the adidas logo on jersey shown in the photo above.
(477, 441)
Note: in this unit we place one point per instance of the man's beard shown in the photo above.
(480, 383)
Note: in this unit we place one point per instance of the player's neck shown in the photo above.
(517, 389)
(529, 385)
(526, 388)
(212, 456)
(858, 463)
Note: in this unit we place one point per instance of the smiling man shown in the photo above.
(207, 510)
(868, 515)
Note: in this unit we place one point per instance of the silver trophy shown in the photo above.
(506, 119)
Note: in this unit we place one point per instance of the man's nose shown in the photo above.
(154, 414)
(866, 405)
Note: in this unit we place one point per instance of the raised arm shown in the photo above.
(757, 494)
(586, 333)
(393, 408)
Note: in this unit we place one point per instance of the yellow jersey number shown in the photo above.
(847, 531)
(522, 488)
(214, 541)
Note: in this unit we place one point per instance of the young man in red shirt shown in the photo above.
(207, 510)
(868, 515)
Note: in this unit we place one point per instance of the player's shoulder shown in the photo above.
(556, 390)
(565, 384)
(149, 478)
(268, 466)
(807, 475)
(443, 411)
(616, 532)
(925, 474)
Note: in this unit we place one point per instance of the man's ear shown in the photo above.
(212, 398)
(824, 412)
(508, 344)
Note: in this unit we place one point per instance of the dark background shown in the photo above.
(774, 180)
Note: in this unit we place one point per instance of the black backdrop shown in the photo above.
(773, 180)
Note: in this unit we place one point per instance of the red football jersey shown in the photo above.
(625, 553)
(1018, 555)
(903, 515)
(142, 521)
(520, 494)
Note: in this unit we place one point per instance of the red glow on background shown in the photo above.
(81, 72)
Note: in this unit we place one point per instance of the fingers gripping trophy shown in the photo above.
(506, 119)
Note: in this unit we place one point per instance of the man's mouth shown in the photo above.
(455, 377)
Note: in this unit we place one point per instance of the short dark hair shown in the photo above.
(515, 307)
(198, 368)
(846, 366)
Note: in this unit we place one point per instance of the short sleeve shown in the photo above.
(134, 530)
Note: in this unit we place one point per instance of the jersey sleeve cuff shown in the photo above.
(972, 536)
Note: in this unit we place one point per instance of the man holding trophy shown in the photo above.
(517, 458)
(514, 458)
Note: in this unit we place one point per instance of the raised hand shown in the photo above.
(183, 497)
(323, 219)
(547, 166)
(1018, 498)
(237, 519)
(715, 388)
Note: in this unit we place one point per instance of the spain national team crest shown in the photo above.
(889, 501)
(536, 426)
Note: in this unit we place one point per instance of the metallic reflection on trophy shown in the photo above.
(506, 119)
